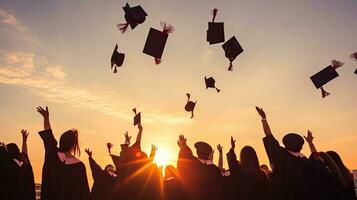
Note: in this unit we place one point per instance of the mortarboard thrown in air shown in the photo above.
(354, 56)
(211, 83)
(215, 32)
(232, 49)
(326, 75)
(133, 16)
(190, 105)
(156, 41)
(117, 59)
(137, 117)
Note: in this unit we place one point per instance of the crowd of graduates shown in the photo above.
(135, 176)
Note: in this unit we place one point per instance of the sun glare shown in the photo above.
(162, 157)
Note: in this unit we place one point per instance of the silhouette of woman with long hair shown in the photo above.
(63, 175)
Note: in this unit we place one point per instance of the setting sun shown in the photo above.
(162, 157)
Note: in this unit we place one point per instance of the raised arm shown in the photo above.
(266, 127)
(220, 158)
(138, 137)
(95, 168)
(46, 117)
(232, 158)
(309, 139)
(153, 152)
(25, 134)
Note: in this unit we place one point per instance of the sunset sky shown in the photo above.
(57, 53)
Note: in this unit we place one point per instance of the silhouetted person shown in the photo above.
(294, 175)
(173, 188)
(250, 183)
(266, 170)
(17, 179)
(63, 175)
(104, 180)
(346, 188)
(201, 178)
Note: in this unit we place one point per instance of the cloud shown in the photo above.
(10, 24)
(56, 71)
(34, 72)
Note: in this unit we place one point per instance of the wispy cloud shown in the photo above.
(29, 70)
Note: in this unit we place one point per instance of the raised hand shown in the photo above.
(127, 138)
(109, 146)
(43, 112)
(3, 145)
(261, 112)
(25, 134)
(140, 127)
(89, 152)
(153, 148)
(219, 148)
(181, 141)
(309, 138)
(233, 143)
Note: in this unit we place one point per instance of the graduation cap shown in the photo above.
(137, 117)
(210, 83)
(326, 75)
(117, 59)
(215, 32)
(354, 56)
(156, 41)
(190, 105)
(133, 16)
(232, 49)
(203, 147)
(293, 142)
(356, 71)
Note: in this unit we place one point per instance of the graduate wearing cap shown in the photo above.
(294, 175)
(17, 179)
(201, 178)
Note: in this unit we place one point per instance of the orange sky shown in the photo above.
(57, 53)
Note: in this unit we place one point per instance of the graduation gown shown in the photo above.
(17, 182)
(173, 189)
(104, 183)
(245, 186)
(61, 181)
(201, 181)
(294, 177)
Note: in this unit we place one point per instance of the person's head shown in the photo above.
(345, 175)
(203, 150)
(293, 142)
(249, 161)
(69, 142)
(110, 169)
(170, 171)
(13, 150)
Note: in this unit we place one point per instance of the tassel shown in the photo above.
(336, 64)
(115, 69)
(218, 90)
(230, 68)
(324, 93)
(134, 110)
(214, 13)
(192, 114)
(188, 96)
(167, 28)
(157, 61)
(123, 27)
